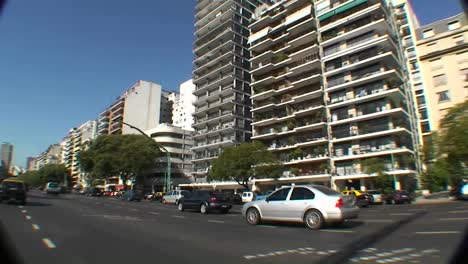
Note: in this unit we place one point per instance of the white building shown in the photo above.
(183, 108)
(143, 105)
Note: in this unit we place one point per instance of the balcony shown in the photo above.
(367, 95)
(215, 42)
(373, 152)
(221, 16)
(360, 60)
(223, 56)
(350, 15)
(215, 143)
(219, 81)
(366, 131)
(368, 116)
(222, 68)
(222, 91)
(301, 142)
(362, 77)
(261, 45)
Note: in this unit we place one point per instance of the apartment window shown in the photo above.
(439, 80)
(425, 127)
(428, 33)
(414, 65)
(454, 25)
(462, 57)
(464, 73)
(436, 64)
(458, 40)
(443, 96)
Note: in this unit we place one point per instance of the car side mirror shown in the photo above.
(267, 199)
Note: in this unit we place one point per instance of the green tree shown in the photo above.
(125, 156)
(54, 173)
(382, 181)
(454, 134)
(243, 162)
(31, 177)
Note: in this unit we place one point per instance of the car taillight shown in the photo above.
(339, 203)
(212, 200)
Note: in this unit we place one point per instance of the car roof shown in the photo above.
(13, 180)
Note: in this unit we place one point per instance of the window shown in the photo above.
(443, 96)
(454, 25)
(458, 40)
(279, 195)
(436, 64)
(439, 80)
(462, 57)
(464, 74)
(428, 33)
(300, 193)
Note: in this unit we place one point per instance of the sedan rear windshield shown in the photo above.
(53, 185)
(326, 190)
(16, 185)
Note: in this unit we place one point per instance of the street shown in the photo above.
(77, 229)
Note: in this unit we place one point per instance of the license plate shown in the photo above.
(224, 206)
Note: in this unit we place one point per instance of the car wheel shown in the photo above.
(163, 201)
(176, 202)
(180, 206)
(313, 219)
(204, 208)
(252, 216)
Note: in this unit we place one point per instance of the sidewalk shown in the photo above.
(424, 200)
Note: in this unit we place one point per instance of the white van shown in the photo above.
(52, 188)
(247, 197)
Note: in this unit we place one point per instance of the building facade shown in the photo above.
(49, 156)
(222, 115)
(178, 142)
(443, 55)
(144, 105)
(31, 163)
(6, 154)
(183, 106)
(331, 91)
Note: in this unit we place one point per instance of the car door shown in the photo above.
(300, 199)
(274, 206)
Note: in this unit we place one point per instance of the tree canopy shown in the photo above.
(125, 156)
(382, 181)
(243, 162)
(48, 173)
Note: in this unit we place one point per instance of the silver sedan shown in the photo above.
(312, 205)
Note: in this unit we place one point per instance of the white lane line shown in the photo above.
(35, 227)
(437, 232)
(48, 243)
(216, 221)
(28, 217)
(267, 226)
(336, 231)
(378, 220)
(20, 206)
(401, 214)
(135, 210)
(153, 213)
(24, 211)
(178, 216)
(458, 212)
(454, 219)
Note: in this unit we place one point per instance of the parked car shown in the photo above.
(376, 196)
(205, 202)
(132, 195)
(53, 188)
(262, 196)
(174, 197)
(247, 197)
(362, 199)
(398, 197)
(94, 192)
(13, 190)
(312, 205)
(460, 192)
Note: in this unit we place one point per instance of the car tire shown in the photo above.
(180, 206)
(176, 202)
(313, 219)
(252, 216)
(163, 201)
(203, 208)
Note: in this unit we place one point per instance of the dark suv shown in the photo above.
(205, 201)
(13, 190)
(399, 197)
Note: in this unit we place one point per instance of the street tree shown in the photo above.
(376, 166)
(454, 134)
(54, 173)
(244, 162)
(32, 178)
(125, 156)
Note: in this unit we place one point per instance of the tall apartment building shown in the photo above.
(6, 154)
(144, 105)
(222, 115)
(443, 54)
(77, 140)
(183, 106)
(330, 90)
(50, 156)
(178, 142)
(31, 163)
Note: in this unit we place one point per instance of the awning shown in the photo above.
(327, 15)
(348, 6)
(298, 15)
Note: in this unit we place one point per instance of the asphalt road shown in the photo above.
(76, 229)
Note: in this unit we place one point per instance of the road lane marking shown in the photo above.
(135, 210)
(48, 243)
(216, 221)
(453, 219)
(378, 220)
(401, 214)
(24, 211)
(336, 231)
(21, 207)
(437, 232)
(153, 213)
(28, 217)
(458, 212)
(267, 226)
(35, 227)
(178, 216)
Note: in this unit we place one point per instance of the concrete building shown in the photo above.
(77, 140)
(331, 90)
(6, 154)
(222, 115)
(443, 55)
(49, 156)
(31, 163)
(144, 105)
(178, 142)
(183, 106)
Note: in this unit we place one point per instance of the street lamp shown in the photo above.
(167, 184)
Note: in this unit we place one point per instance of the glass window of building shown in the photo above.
(439, 80)
(458, 40)
(464, 74)
(443, 96)
(454, 25)
(428, 33)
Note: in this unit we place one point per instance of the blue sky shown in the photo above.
(62, 62)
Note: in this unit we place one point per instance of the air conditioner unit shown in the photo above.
(345, 63)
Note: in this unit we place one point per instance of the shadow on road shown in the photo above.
(37, 204)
